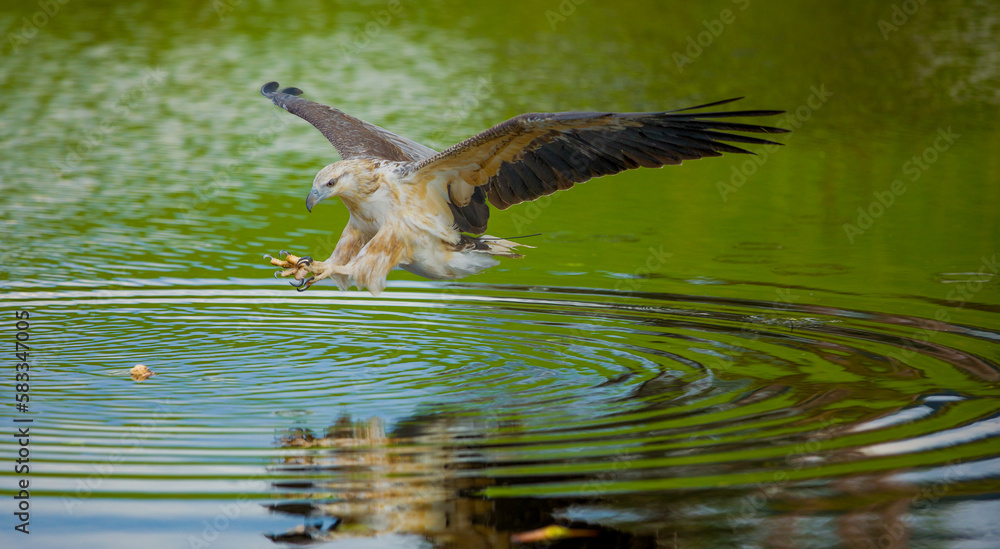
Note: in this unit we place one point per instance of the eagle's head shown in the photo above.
(345, 179)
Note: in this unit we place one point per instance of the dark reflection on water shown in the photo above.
(422, 480)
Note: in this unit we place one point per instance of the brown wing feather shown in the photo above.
(352, 137)
(535, 154)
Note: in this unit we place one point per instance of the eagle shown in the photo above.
(427, 211)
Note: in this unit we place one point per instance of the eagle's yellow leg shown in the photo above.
(301, 267)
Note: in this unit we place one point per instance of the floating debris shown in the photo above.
(789, 322)
(140, 372)
(552, 532)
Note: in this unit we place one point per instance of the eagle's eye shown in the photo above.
(331, 182)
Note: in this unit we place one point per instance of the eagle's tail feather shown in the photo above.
(500, 246)
(491, 245)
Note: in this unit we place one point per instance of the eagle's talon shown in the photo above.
(297, 283)
(291, 264)
(277, 273)
(305, 284)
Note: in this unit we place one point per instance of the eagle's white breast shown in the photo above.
(419, 215)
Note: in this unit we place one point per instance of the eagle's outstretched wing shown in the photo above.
(535, 154)
(352, 137)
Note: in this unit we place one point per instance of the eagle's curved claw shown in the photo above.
(299, 268)
(268, 257)
(305, 284)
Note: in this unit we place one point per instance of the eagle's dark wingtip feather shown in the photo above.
(714, 104)
(267, 89)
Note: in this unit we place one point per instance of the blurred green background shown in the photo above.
(185, 171)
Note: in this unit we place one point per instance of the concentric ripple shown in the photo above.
(631, 413)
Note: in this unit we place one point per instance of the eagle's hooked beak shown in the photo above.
(312, 199)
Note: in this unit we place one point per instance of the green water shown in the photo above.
(724, 353)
